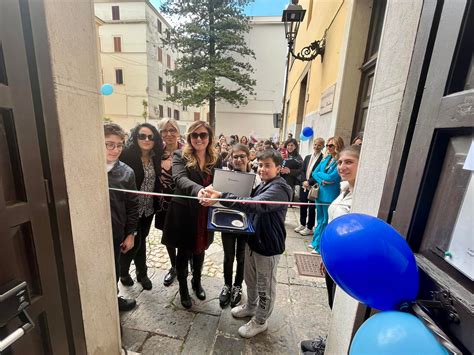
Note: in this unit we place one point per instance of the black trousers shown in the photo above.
(307, 211)
(117, 253)
(172, 255)
(138, 252)
(182, 258)
(234, 248)
(331, 288)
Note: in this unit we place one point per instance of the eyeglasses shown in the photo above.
(112, 146)
(202, 135)
(143, 136)
(170, 131)
(329, 145)
(239, 156)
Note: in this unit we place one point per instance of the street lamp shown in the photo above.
(292, 16)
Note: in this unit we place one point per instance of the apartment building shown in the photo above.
(134, 60)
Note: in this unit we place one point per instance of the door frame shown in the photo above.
(36, 42)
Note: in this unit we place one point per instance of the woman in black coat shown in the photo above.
(186, 221)
(143, 155)
(292, 164)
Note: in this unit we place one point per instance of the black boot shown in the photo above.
(197, 287)
(196, 281)
(170, 276)
(183, 292)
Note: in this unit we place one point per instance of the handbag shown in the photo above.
(313, 192)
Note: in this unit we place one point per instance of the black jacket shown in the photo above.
(306, 160)
(123, 206)
(182, 217)
(133, 159)
(268, 220)
(295, 164)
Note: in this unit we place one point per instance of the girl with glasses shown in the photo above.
(169, 130)
(234, 244)
(143, 155)
(185, 226)
(328, 179)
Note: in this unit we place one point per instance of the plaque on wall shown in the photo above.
(327, 100)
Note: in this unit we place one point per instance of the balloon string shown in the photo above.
(254, 202)
(431, 325)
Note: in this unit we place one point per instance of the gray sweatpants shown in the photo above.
(260, 277)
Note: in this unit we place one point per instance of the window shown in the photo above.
(117, 44)
(175, 89)
(176, 115)
(197, 116)
(185, 108)
(169, 112)
(168, 35)
(168, 61)
(159, 26)
(115, 13)
(160, 55)
(118, 76)
(160, 83)
(161, 111)
(168, 88)
(368, 67)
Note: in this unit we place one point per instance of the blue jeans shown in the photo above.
(322, 220)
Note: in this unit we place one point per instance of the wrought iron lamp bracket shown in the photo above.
(310, 52)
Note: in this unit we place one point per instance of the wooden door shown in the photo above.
(26, 244)
(434, 190)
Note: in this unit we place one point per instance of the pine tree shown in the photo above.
(213, 61)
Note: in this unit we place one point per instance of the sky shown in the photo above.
(257, 8)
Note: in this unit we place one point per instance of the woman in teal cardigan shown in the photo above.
(328, 178)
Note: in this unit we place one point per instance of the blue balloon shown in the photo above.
(395, 333)
(370, 260)
(307, 132)
(106, 89)
(303, 138)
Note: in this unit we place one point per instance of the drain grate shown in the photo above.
(308, 264)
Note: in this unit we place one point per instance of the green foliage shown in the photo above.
(213, 54)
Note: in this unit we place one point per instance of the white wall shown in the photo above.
(267, 39)
(391, 75)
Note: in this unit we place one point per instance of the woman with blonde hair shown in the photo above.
(328, 179)
(185, 225)
(169, 130)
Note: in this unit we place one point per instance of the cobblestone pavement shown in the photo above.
(160, 325)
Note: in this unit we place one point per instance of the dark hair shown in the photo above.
(272, 154)
(133, 146)
(353, 149)
(242, 147)
(359, 136)
(295, 142)
(113, 129)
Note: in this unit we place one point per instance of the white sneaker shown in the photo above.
(299, 229)
(306, 231)
(242, 311)
(252, 328)
(310, 246)
(315, 252)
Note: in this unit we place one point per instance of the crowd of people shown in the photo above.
(156, 159)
